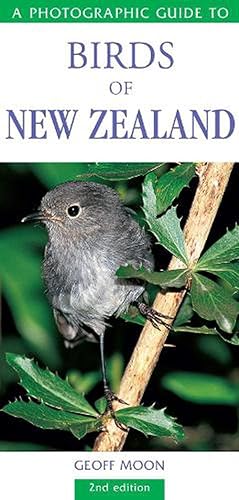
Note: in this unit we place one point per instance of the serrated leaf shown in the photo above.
(48, 387)
(170, 185)
(202, 389)
(227, 272)
(225, 250)
(45, 417)
(213, 303)
(174, 279)
(149, 196)
(166, 228)
(55, 173)
(150, 421)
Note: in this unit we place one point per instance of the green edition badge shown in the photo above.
(125, 489)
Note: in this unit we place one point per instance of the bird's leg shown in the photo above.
(110, 396)
(155, 317)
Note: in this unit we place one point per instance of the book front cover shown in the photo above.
(119, 250)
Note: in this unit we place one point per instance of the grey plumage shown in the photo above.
(90, 235)
(83, 254)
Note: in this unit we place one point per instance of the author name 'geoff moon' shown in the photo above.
(135, 465)
(41, 124)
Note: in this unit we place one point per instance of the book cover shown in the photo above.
(119, 250)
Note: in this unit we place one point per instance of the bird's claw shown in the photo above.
(110, 396)
(155, 317)
(118, 424)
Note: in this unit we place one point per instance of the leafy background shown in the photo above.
(198, 381)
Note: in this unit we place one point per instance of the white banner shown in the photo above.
(127, 92)
(187, 475)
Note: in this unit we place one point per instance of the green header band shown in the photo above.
(119, 11)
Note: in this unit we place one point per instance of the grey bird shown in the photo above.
(91, 234)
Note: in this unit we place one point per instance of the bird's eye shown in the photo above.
(73, 211)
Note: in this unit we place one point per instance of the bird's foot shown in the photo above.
(155, 317)
(110, 396)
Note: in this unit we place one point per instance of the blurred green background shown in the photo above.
(196, 381)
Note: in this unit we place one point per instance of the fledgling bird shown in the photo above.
(91, 234)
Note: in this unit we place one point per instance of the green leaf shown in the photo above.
(213, 303)
(167, 228)
(150, 421)
(101, 405)
(202, 389)
(232, 339)
(170, 185)
(52, 174)
(168, 232)
(174, 279)
(227, 272)
(21, 250)
(45, 417)
(47, 387)
(224, 250)
(203, 330)
(83, 382)
(149, 196)
(185, 313)
(121, 171)
(90, 425)
(215, 349)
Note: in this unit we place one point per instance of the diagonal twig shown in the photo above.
(213, 180)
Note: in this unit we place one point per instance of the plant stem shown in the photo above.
(213, 180)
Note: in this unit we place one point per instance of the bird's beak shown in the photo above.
(36, 216)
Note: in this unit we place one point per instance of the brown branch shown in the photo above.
(213, 179)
